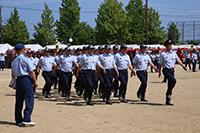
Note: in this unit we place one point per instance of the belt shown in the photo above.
(142, 71)
(168, 68)
(109, 69)
(24, 76)
(88, 70)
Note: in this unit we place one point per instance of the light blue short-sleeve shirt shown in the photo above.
(141, 61)
(168, 59)
(122, 61)
(46, 63)
(89, 62)
(22, 66)
(107, 61)
(67, 63)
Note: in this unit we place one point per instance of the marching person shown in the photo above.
(23, 71)
(67, 63)
(108, 62)
(48, 66)
(168, 60)
(89, 63)
(2, 61)
(141, 63)
(123, 63)
(194, 59)
(115, 85)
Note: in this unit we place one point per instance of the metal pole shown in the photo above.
(146, 10)
(193, 30)
(183, 30)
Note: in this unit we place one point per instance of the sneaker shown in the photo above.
(29, 124)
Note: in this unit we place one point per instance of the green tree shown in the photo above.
(85, 34)
(111, 24)
(173, 33)
(156, 31)
(136, 21)
(15, 30)
(45, 34)
(69, 21)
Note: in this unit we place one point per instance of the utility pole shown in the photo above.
(146, 10)
(194, 31)
(183, 30)
(1, 27)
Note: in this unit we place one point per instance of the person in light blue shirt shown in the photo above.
(123, 62)
(23, 72)
(194, 59)
(108, 62)
(67, 63)
(188, 59)
(168, 60)
(48, 66)
(115, 86)
(141, 62)
(2, 61)
(89, 63)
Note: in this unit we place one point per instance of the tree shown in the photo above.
(173, 33)
(69, 21)
(45, 34)
(156, 32)
(136, 21)
(111, 25)
(85, 34)
(15, 30)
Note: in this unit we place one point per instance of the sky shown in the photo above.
(169, 10)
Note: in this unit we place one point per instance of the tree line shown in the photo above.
(114, 25)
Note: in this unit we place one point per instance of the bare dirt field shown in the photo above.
(58, 116)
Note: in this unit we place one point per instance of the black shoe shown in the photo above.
(169, 104)
(123, 101)
(138, 95)
(144, 100)
(67, 98)
(168, 100)
(90, 103)
(109, 102)
(47, 96)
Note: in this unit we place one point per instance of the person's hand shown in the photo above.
(117, 75)
(184, 68)
(133, 73)
(36, 84)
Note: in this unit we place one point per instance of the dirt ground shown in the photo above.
(59, 116)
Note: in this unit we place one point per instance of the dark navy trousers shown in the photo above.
(143, 77)
(108, 81)
(123, 78)
(49, 78)
(89, 83)
(24, 93)
(66, 80)
(169, 74)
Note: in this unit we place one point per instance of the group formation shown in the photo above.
(101, 71)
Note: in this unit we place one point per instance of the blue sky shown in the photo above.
(169, 10)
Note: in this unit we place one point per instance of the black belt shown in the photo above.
(109, 69)
(168, 68)
(88, 70)
(24, 76)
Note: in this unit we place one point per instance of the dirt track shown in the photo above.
(57, 116)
